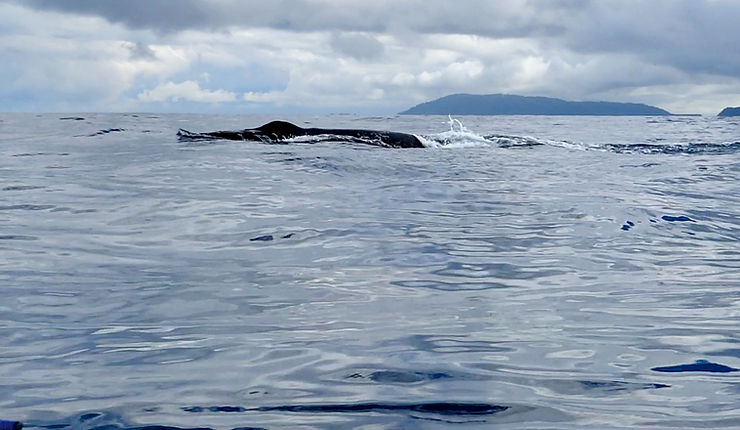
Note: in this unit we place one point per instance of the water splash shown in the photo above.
(458, 136)
(454, 121)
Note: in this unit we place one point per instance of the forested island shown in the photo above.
(730, 111)
(507, 104)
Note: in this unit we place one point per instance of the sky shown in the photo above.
(369, 56)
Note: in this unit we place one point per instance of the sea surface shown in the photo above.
(521, 272)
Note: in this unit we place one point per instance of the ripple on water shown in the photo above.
(26, 207)
(153, 283)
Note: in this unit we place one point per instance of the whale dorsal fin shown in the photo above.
(280, 128)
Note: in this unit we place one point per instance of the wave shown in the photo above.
(458, 136)
(439, 408)
(675, 148)
(452, 412)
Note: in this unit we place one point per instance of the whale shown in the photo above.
(283, 131)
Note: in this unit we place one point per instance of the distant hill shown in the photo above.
(506, 104)
(730, 111)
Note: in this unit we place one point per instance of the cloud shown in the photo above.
(264, 97)
(353, 55)
(50, 63)
(141, 50)
(137, 14)
(360, 46)
(188, 90)
(688, 34)
(514, 17)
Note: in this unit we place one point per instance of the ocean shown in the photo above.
(520, 272)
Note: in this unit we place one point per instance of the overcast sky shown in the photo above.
(364, 56)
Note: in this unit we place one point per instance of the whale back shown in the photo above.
(281, 129)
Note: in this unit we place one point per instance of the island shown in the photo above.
(508, 104)
(730, 111)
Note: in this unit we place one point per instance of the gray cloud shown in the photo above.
(695, 35)
(676, 53)
(692, 35)
(357, 45)
(141, 51)
(138, 14)
(514, 18)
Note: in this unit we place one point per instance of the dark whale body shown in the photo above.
(280, 131)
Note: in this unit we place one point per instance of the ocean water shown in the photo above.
(521, 272)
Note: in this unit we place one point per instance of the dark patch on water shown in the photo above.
(89, 416)
(449, 344)
(691, 148)
(438, 408)
(400, 376)
(278, 153)
(26, 207)
(680, 218)
(698, 366)
(37, 154)
(106, 131)
(628, 225)
(640, 165)
(22, 187)
(265, 238)
(17, 237)
(269, 237)
(199, 409)
(442, 408)
(72, 118)
(405, 377)
(599, 388)
(615, 386)
(449, 286)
